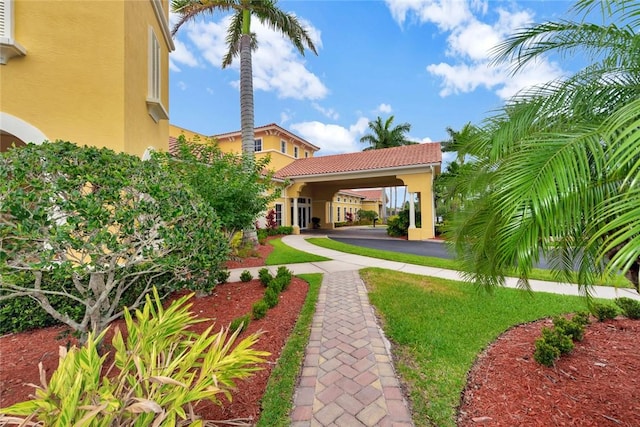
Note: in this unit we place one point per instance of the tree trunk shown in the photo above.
(246, 97)
(247, 121)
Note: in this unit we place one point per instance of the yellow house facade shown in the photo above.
(90, 72)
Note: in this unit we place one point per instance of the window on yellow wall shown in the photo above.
(257, 145)
(283, 147)
(278, 210)
(338, 213)
(154, 99)
(154, 66)
(306, 154)
(295, 152)
(9, 47)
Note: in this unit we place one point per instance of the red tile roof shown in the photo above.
(408, 155)
(371, 194)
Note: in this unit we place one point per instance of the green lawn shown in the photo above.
(283, 254)
(440, 326)
(536, 273)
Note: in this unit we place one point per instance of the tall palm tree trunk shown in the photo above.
(247, 120)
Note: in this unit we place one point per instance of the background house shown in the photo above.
(93, 73)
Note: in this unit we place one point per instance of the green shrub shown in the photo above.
(153, 383)
(119, 222)
(604, 311)
(284, 230)
(259, 309)
(262, 235)
(557, 338)
(545, 353)
(398, 225)
(277, 284)
(582, 317)
(246, 276)
(222, 276)
(265, 276)
(241, 323)
(573, 328)
(630, 307)
(285, 275)
(271, 297)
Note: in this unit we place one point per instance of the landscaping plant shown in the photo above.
(630, 307)
(85, 227)
(246, 276)
(160, 371)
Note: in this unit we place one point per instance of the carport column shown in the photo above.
(296, 225)
(412, 212)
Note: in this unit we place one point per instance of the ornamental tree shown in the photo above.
(92, 226)
(238, 191)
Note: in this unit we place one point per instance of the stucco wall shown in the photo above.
(84, 77)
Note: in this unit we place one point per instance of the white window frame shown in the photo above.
(338, 214)
(283, 146)
(295, 152)
(306, 154)
(154, 80)
(257, 145)
(9, 47)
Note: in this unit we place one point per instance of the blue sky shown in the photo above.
(427, 62)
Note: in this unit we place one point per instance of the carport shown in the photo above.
(314, 181)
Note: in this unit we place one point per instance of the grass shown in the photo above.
(283, 254)
(440, 326)
(276, 402)
(536, 274)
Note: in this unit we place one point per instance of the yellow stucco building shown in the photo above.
(319, 186)
(90, 72)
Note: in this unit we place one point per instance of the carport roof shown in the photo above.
(385, 158)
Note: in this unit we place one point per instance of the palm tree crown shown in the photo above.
(384, 136)
(557, 172)
(240, 41)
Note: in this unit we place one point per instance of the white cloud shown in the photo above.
(285, 116)
(277, 65)
(331, 138)
(328, 112)
(446, 14)
(182, 85)
(181, 55)
(470, 43)
(384, 108)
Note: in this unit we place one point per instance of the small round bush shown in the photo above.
(265, 276)
(246, 276)
(545, 353)
(271, 297)
(259, 309)
(630, 307)
(572, 328)
(558, 339)
(604, 311)
(222, 276)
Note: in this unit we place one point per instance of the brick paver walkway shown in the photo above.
(347, 377)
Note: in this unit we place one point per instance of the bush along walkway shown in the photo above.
(347, 378)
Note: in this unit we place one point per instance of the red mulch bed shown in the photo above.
(597, 384)
(20, 353)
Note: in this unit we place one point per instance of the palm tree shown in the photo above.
(557, 172)
(241, 41)
(384, 136)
